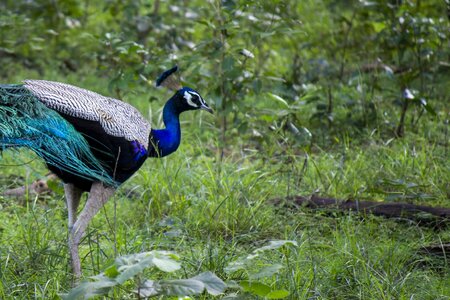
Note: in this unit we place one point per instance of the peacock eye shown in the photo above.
(192, 99)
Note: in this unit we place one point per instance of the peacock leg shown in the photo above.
(98, 196)
(73, 196)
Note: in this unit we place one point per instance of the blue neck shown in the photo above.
(167, 140)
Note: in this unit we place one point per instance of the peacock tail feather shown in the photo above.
(26, 122)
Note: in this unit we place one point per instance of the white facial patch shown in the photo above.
(188, 97)
(202, 102)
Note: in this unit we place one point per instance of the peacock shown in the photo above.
(91, 142)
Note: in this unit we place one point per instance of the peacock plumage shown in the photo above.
(92, 142)
(27, 122)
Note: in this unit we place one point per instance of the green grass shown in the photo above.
(214, 212)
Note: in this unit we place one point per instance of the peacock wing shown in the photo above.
(117, 118)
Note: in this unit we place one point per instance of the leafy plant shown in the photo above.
(254, 283)
(131, 267)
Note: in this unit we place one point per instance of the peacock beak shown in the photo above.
(207, 108)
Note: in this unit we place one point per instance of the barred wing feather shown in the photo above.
(117, 118)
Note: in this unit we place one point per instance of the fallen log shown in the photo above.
(387, 209)
(436, 249)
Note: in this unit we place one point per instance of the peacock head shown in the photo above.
(185, 98)
(191, 100)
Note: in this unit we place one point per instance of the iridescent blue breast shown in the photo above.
(139, 150)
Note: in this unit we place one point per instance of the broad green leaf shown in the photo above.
(278, 98)
(213, 284)
(378, 26)
(265, 34)
(206, 23)
(266, 271)
(181, 287)
(277, 294)
(236, 265)
(228, 63)
(128, 272)
(130, 265)
(112, 271)
(89, 289)
(277, 244)
(257, 86)
(256, 288)
(165, 263)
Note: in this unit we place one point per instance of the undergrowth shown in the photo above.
(214, 211)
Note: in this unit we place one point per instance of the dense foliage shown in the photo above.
(340, 98)
(360, 64)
